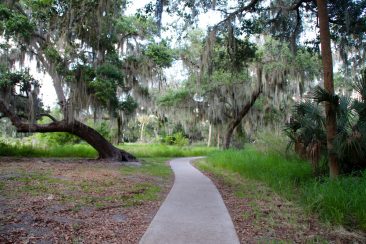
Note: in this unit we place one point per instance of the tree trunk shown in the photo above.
(218, 137)
(236, 121)
(330, 113)
(105, 149)
(119, 130)
(209, 135)
(142, 132)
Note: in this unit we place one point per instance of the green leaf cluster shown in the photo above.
(173, 97)
(129, 105)
(14, 24)
(160, 53)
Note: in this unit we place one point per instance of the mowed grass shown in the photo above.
(339, 202)
(161, 150)
(86, 151)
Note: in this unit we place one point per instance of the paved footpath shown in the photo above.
(193, 212)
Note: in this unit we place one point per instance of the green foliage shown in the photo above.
(308, 127)
(129, 105)
(86, 151)
(177, 139)
(160, 53)
(173, 97)
(279, 58)
(281, 174)
(104, 85)
(41, 9)
(64, 151)
(14, 24)
(159, 150)
(308, 122)
(110, 71)
(339, 202)
(58, 138)
(135, 25)
(104, 90)
(52, 54)
(22, 79)
(234, 58)
(104, 129)
(321, 95)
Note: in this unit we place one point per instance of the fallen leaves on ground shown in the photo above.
(75, 201)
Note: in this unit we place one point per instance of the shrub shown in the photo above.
(176, 139)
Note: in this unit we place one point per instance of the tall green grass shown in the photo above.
(76, 151)
(340, 202)
(86, 151)
(161, 150)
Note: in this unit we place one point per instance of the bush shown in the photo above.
(58, 138)
(177, 139)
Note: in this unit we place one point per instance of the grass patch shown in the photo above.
(281, 174)
(160, 150)
(150, 166)
(95, 185)
(261, 209)
(74, 151)
(86, 151)
(340, 202)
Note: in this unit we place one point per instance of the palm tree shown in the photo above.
(307, 129)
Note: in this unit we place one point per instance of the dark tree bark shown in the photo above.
(119, 130)
(105, 149)
(330, 112)
(245, 109)
(236, 121)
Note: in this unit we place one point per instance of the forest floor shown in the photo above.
(78, 200)
(261, 216)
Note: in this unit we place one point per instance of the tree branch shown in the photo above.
(58, 126)
(47, 115)
(237, 12)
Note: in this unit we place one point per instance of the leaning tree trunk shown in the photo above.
(245, 109)
(236, 121)
(105, 149)
(331, 122)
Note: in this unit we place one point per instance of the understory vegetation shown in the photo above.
(86, 151)
(339, 201)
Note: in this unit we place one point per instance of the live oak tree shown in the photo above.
(92, 52)
(226, 96)
(343, 21)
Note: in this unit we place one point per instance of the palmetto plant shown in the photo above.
(307, 128)
(306, 131)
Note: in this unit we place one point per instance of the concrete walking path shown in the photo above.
(193, 212)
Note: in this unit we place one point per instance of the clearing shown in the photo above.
(79, 201)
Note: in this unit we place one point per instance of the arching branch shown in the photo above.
(47, 115)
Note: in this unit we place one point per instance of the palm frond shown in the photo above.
(360, 108)
(319, 94)
(360, 85)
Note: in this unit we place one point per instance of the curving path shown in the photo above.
(193, 212)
